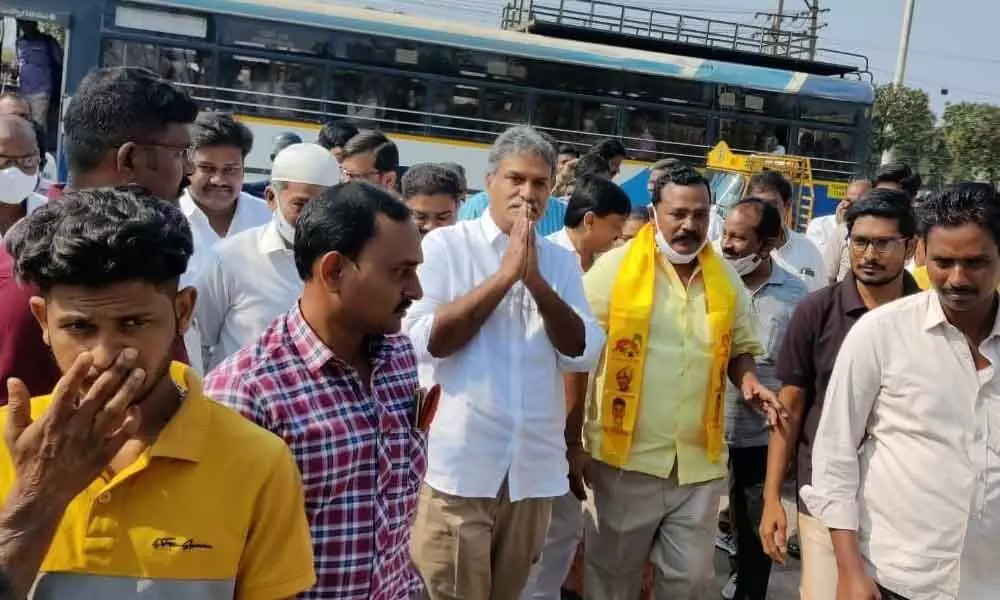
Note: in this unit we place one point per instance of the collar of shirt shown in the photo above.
(935, 316)
(184, 436)
(491, 231)
(270, 240)
(850, 297)
(316, 354)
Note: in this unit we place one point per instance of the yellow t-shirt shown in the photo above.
(213, 509)
(670, 425)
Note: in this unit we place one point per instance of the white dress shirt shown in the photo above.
(908, 452)
(502, 411)
(561, 239)
(822, 230)
(802, 258)
(248, 282)
(251, 212)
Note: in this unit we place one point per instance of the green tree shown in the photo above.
(903, 122)
(971, 133)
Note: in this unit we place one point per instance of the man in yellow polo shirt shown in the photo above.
(194, 500)
(679, 323)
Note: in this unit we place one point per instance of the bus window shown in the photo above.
(831, 151)
(504, 108)
(826, 111)
(271, 87)
(453, 112)
(377, 100)
(686, 137)
(644, 127)
(744, 136)
(181, 65)
(267, 35)
(598, 120)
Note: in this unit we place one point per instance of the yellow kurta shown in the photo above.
(675, 381)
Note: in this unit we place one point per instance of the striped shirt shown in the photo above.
(551, 221)
(361, 458)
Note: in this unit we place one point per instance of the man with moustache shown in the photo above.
(122, 127)
(337, 381)
(882, 229)
(502, 318)
(751, 230)
(905, 457)
(679, 322)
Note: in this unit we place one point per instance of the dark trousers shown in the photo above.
(889, 595)
(747, 469)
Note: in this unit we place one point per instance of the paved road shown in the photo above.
(784, 583)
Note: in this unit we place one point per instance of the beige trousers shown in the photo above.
(632, 518)
(477, 548)
(819, 563)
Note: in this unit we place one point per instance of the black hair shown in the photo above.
(118, 105)
(770, 226)
(592, 164)
(41, 140)
(460, 171)
(598, 195)
(99, 237)
(342, 219)
(771, 180)
(685, 176)
(431, 179)
(901, 174)
(608, 149)
(884, 204)
(959, 204)
(667, 164)
(282, 141)
(386, 152)
(568, 149)
(336, 134)
(215, 129)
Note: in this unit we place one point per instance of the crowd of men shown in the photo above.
(351, 384)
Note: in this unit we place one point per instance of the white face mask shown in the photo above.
(285, 229)
(675, 257)
(746, 264)
(16, 185)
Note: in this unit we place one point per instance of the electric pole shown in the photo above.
(813, 26)
(779, 14)
(904, 48)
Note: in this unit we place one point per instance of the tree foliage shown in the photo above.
(971, 134)
(903, 122)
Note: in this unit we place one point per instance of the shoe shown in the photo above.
(725, 542)
(729, 592)
(794, 550)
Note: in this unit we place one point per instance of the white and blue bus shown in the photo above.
(443, 90)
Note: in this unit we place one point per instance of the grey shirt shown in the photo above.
(773, 305)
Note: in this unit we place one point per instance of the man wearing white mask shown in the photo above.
(252, 277)
(752, 229)
(19, 161)
(679, 321)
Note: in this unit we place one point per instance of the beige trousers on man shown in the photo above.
(477, 548)
(819, 563)
(632, 518)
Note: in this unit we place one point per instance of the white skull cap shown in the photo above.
(306, 163)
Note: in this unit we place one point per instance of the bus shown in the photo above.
(443, 90)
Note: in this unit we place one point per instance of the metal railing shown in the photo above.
(676, 27)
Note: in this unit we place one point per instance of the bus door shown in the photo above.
(53, 27)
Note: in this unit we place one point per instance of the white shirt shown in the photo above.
(32, 203)
(822, 230)
(248, 282)
(561, 239)
(908, 452)
(251, 212)
(801, 258)
(502, 411)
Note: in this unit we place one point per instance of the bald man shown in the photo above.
(12, 103)
(19, 165)
(836, 260)
(251, 279)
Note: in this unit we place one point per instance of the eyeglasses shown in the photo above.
(881, 245)
(348, 174)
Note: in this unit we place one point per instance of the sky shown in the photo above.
(952, 45)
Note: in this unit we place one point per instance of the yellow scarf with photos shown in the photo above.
(629, 318)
